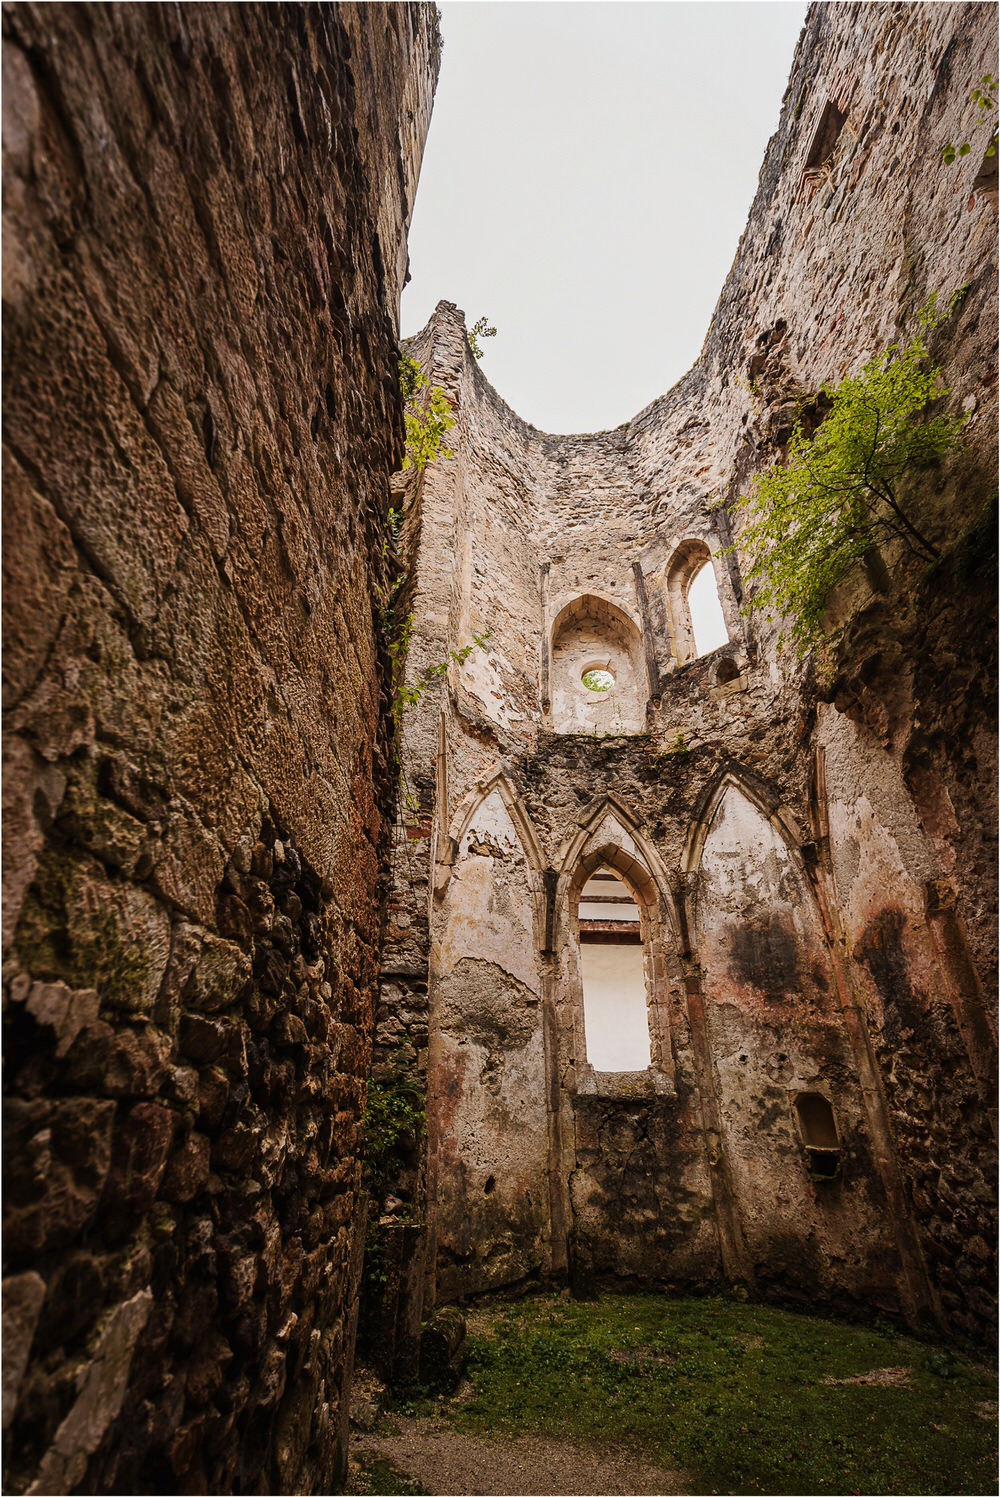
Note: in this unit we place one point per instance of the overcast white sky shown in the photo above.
(588, 173)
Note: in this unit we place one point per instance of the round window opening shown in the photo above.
(598, 679)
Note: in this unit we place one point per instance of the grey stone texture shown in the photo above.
(813, 859)
(205, 218)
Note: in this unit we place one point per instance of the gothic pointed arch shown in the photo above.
(607, 854)
(466, 810)
(758, 792)
(770, 1008)
(609, 808)
(487, 1063)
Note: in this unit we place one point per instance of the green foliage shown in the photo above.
(394, 1123)
(734, 1395)
(480, 329)
(598, 680)
(376, 1476)
(985, 96)
(809, 520)
(404, 695)
(427, 417)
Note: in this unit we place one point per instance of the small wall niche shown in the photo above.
(817, 1126)
(824, 142)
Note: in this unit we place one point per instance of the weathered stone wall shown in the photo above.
(814, 868)
(205, 220)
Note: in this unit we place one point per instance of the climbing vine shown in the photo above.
(394, 1123)
(985, 97)
(404, 695)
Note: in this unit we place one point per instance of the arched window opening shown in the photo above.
(697, 622)
(707, 622)
(728, 671)
(612, 967)
(818, 1132)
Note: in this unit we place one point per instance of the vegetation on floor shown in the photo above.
(745, 1398)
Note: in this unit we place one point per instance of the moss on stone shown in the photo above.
(53, 942)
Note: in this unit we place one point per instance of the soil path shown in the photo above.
(449, 1464)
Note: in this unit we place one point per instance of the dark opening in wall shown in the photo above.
(831, 122)
(728, 671)
(818, 1131)
(986, 180)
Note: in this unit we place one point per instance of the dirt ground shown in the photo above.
(449, 1464)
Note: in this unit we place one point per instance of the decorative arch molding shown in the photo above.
(593, 606)
(463, 816)
(764, 798)
(759, 793)
(575, 860)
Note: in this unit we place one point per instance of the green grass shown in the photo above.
(732, 1394)
(378, 1477)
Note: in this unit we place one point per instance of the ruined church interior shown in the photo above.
(434, 887)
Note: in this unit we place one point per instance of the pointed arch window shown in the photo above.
(613, 974)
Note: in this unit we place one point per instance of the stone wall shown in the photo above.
(813, 866)
(205, 222)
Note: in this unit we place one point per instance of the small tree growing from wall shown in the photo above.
(480, 329)
(809, 520)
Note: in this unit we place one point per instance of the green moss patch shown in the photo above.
(376, 1476)
(747, 1399)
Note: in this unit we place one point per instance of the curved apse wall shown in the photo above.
(683, 1174)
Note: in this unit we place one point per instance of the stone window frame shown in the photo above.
(654, 930)
(686, 561)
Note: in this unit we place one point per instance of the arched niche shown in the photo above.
(694, 602)
(774, 1032)
(592, 638)
(487, 1115)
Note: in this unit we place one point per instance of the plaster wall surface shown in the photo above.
(204, 244)
(768, 817)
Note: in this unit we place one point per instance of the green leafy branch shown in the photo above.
(428, 417)
(480, 329)
(394, 1123)
(408, 695)
(808, 521)
(985, 96)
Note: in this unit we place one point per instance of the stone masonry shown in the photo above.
(222, 913)
(814, 860)
(204, 245)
